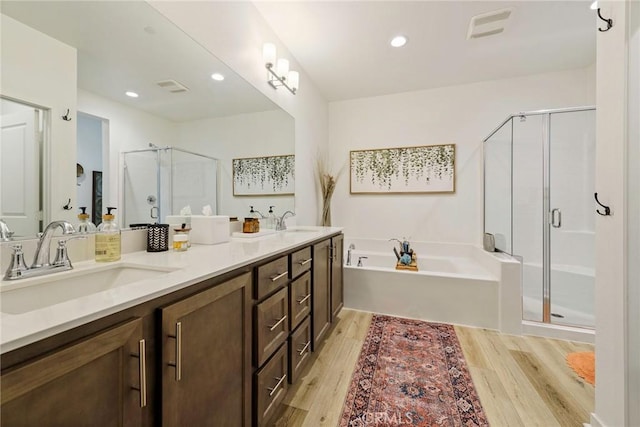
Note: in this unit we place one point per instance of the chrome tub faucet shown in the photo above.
(351, 247)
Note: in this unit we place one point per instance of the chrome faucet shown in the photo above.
(42, 260)
(5, 232)
(360, 258)
(280, 224)
(351, 247)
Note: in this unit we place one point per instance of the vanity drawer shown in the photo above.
(271, 325)
(271, 386)
(299, 350)
(299, 299)
(271, 276)
(300, 262)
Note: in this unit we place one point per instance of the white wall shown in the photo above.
(247, 135)
(40, 70)
(90, 157)
(129, 129)
(235, 33)
(611, 309)
(463, 115)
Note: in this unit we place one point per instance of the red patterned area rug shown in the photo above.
(411, 373)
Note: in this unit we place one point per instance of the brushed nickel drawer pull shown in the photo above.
(142, 366)
(306, 346)
(273, 327)
(178, 363)
(280, 380)
(278, 276)
(303, 300)
(305, 262)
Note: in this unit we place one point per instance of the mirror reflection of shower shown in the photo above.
(161, 181)
(539, 170)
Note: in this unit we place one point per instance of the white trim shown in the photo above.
(569, 333)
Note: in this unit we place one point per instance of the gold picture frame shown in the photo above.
(400, 170)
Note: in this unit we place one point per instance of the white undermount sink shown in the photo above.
(22, 296)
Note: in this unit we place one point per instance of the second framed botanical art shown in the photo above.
(264, 176)
(424, 169)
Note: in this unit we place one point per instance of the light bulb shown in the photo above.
(283, 67)
(294, 79)
(269, 53)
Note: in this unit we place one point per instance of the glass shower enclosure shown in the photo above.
(539, 183)
(157, 182)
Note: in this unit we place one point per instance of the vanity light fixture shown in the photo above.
(398, 41)
(131, 94)
(217, 77)
(278, 70)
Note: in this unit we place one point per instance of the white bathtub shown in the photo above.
(456, 283)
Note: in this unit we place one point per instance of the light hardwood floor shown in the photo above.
(521, 381)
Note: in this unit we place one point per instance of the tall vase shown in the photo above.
(326, 213)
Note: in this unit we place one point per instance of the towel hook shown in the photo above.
(68, 206)
(608, 21)
(66, 117)
(607, 210)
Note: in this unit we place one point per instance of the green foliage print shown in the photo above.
(383, 167)
(274, 172)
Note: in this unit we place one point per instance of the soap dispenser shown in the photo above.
(84, 225)
(108, 238)
(271, 218)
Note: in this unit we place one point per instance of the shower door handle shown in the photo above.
(554, 223)
(151, 212)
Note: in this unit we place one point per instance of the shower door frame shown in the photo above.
(546, 194)
(159, 174)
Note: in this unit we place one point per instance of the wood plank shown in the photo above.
(561, 404)
(521, 380)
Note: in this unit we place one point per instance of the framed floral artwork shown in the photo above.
(424, 169)
(264, 176)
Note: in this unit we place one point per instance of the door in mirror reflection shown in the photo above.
(20, 167)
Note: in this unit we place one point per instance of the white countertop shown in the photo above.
(199, 263)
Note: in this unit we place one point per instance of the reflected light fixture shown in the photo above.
(398, 41)
(278, 73)
(131, 94)
(217, 77)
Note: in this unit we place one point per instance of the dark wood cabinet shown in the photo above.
(218, 352)
(299, 299)
(272, 324)
(321, 292)
(299, 350)
(271, 386)
(99, 380)
(337, 287)
(206, 357)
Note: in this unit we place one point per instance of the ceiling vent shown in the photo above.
(172, 86)
(488, 24)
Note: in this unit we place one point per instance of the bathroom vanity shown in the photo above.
(215, 340)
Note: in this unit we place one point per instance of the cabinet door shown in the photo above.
(321, 299)
(272, 325)
(337, 288)
(299, 300)
(95, 382)
(206, 357)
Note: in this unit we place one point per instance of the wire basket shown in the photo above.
(158, 238)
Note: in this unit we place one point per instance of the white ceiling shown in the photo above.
(128, 45)
(344, 45)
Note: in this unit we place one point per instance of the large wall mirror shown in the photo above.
(180, 120)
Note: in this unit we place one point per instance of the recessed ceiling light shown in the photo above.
(594, 5)
(131, 94)
(217, 77)
(398, 41)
